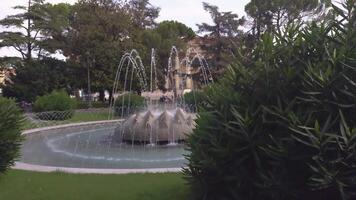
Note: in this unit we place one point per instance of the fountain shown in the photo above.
(160, 126)
(150, 139)
(156, 127)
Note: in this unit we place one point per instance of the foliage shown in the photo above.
(281, 124)
(92, 35)
(10, 133)
(36, 78)
(58, 100)
(28, 20)
(98, 33)
(274, 14)
(33, 25)
(143, 13)
(194, 99)
(162, 38)
(55, 26)
(223, 33)
(128, 103)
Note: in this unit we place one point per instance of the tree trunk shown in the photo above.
(29, 44)
(101, 95)
(110, 96)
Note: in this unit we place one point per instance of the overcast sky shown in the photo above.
(189, 12)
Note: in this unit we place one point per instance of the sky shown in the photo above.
(189, 12)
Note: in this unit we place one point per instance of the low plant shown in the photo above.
(11, 120)
(128, 103)
(194, 99)
(55, 106)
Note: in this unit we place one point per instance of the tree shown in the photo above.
(28, 24)
(98, 34)
(11, 120)
(223, 32)
(162, 38)
(37, 29)
(55, 27)
(143, 13)
(273, 15)
(39, 77)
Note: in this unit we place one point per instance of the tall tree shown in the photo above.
(143, 13)
(162, 38)
(98, 35)
(272, 15)
(222, 34)
(27, 25)
(55, 27)
(36, 29)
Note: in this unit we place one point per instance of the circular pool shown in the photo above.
(90, 147)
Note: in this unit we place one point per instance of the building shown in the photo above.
(2, 77)
(189, 71)
(5, 75)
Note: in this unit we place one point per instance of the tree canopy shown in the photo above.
(162, 38)
(224, 32)
(274, 14)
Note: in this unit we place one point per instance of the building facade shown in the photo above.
(5, 75)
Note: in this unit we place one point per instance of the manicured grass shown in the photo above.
(77, 117)
(87, 117)
(22, 185)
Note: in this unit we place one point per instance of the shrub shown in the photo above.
(10, 133)
(282, 125)
(194, 99)
(128, 103)
(55, 106)
(38, 77)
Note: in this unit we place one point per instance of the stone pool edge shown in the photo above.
(44, 168)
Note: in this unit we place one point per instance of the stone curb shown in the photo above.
(42, 168)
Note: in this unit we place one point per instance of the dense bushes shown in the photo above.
(281, 125)
(10, 133)
(128, 103)
(37, 78)
(194, 99)
(60, 105)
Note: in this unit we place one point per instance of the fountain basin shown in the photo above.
(89, 148)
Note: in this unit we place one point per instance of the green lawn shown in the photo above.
(77, 117)
(22, 185)
(87, 117)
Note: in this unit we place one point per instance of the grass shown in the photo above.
(77, 117)
(87, 117)
(23, 185)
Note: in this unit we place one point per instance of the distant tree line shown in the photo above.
(94, 34)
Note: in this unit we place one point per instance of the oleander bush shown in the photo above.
(11, 120)
(55, 106)
(128, 104)
(282, 125)
(194, 99)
